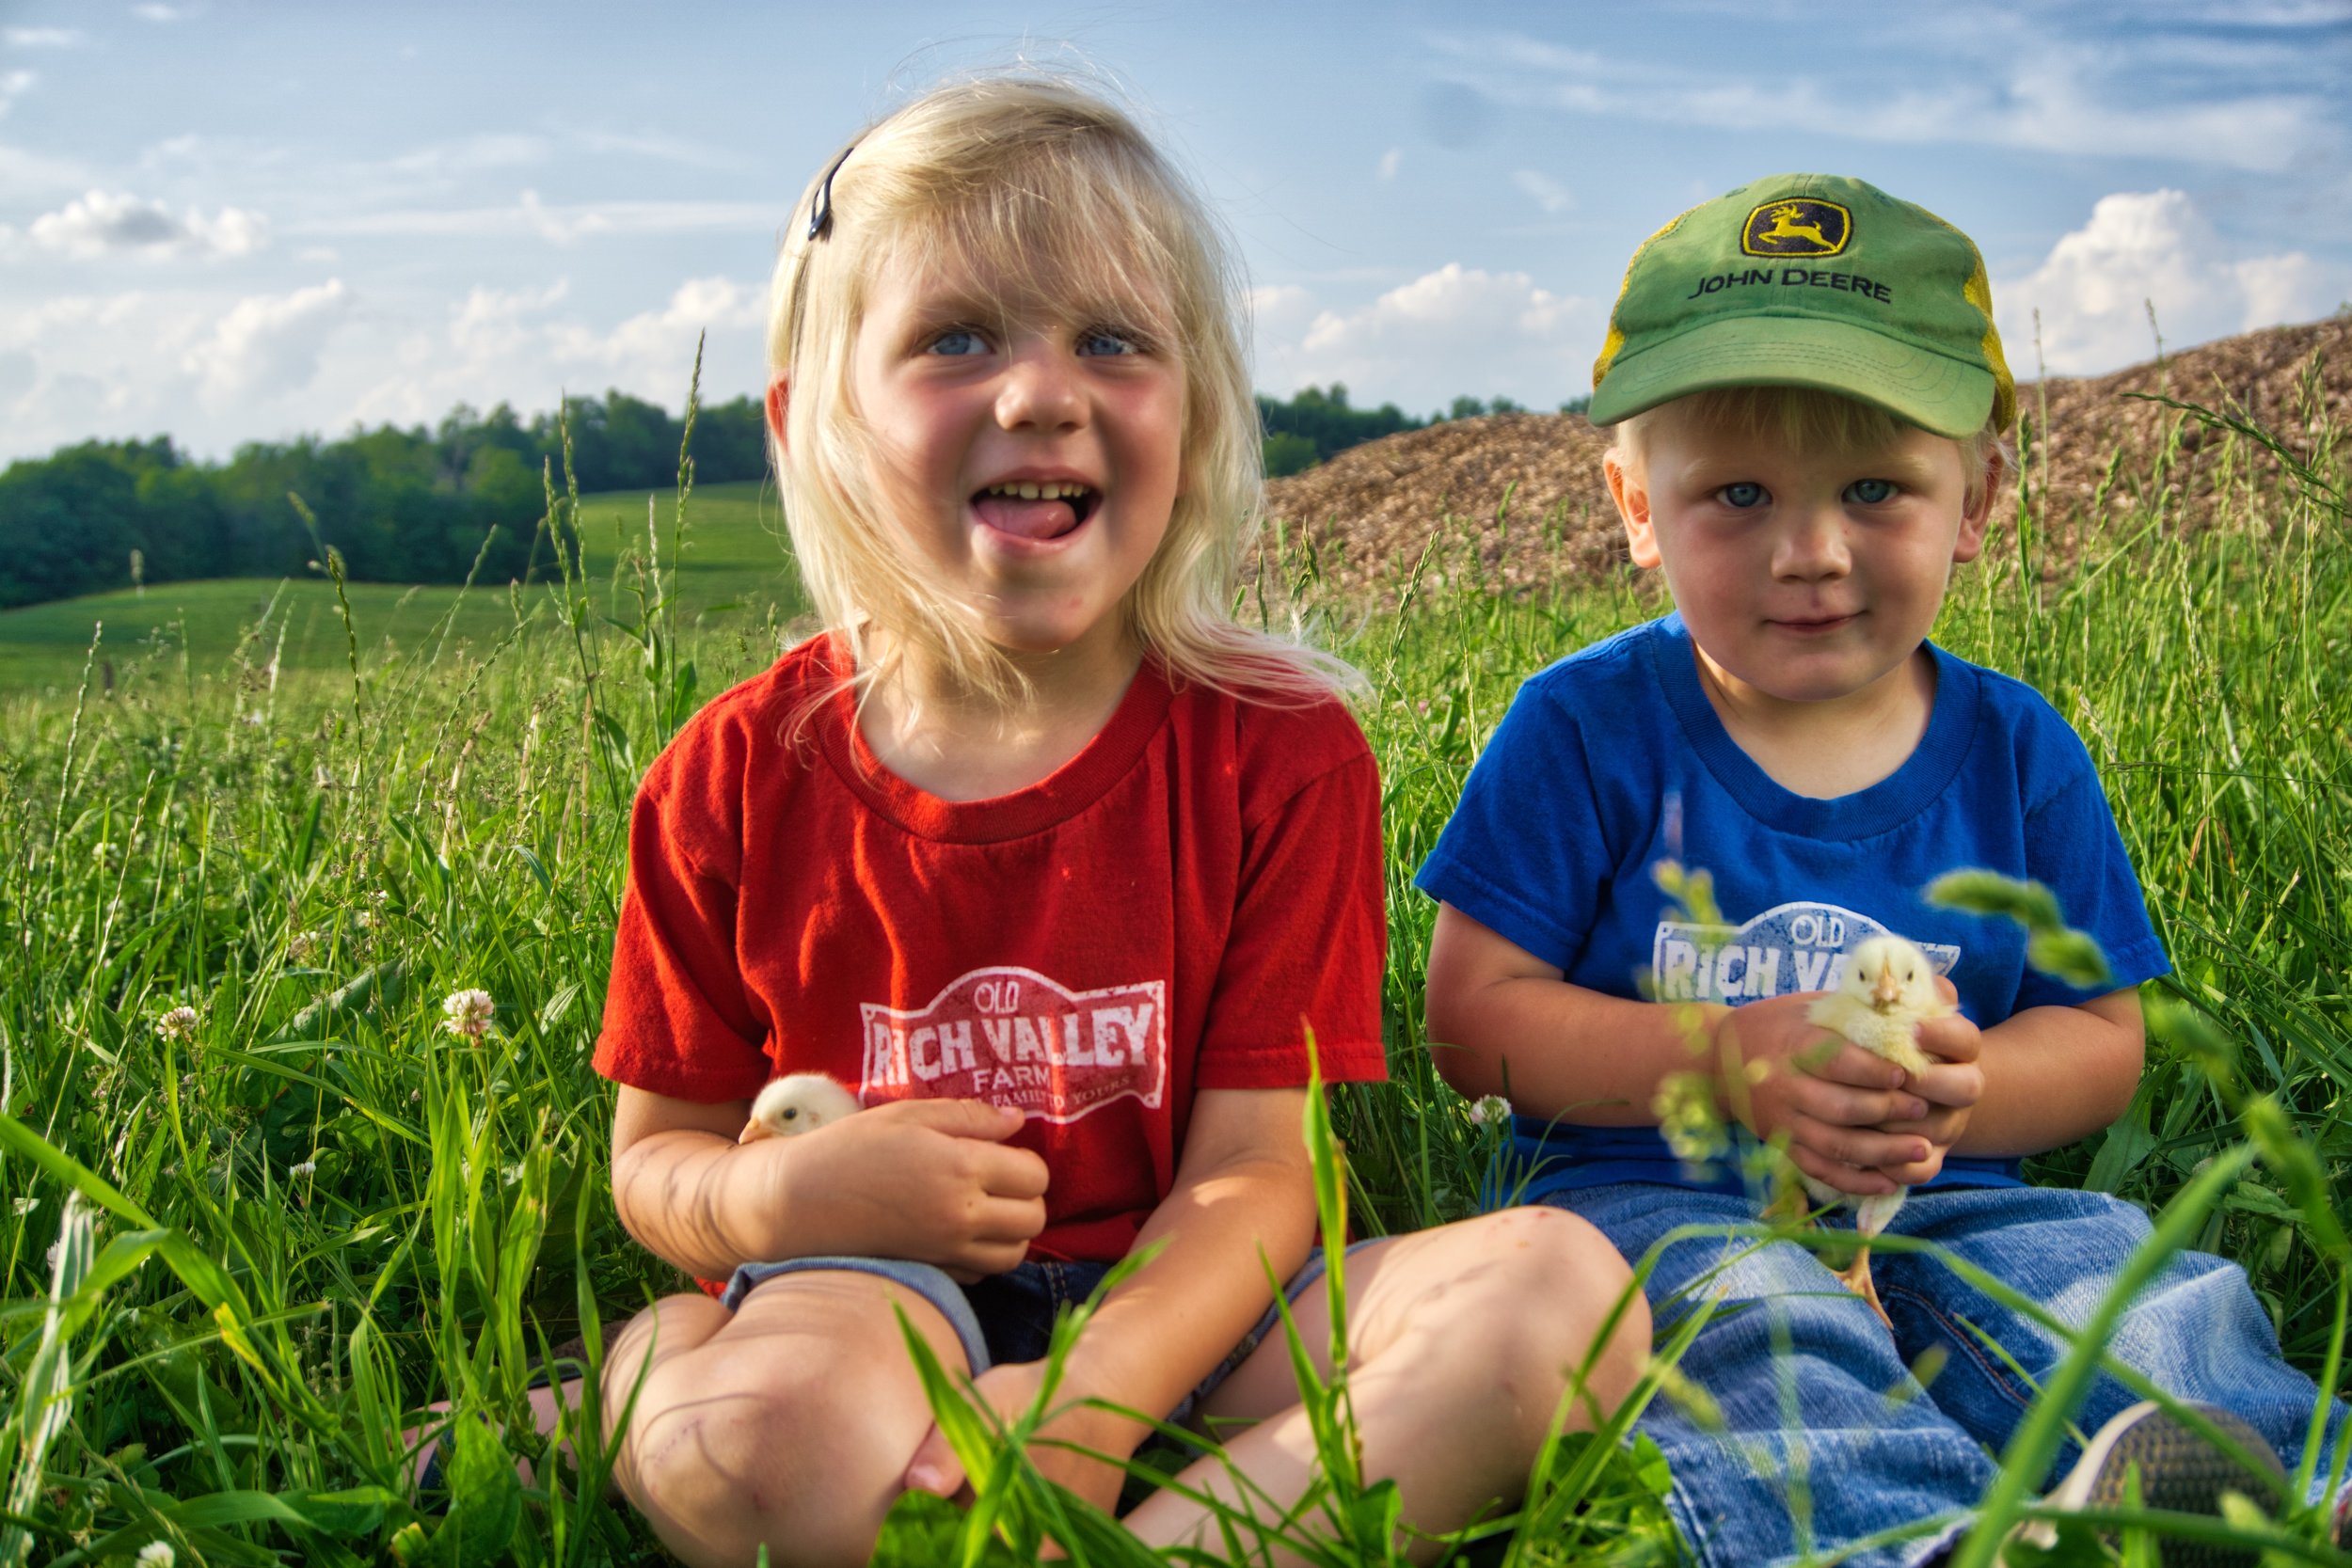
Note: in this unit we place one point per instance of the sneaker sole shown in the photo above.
(2179, 1471)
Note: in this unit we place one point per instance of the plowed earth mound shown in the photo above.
(1370, 513)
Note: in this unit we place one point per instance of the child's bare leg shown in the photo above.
(1461, 1344)
(789, 1421)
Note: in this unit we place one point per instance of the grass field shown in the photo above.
(246, 1242)
(736, 563)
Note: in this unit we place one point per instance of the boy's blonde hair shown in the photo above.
(1029, 182)
(1804, 419)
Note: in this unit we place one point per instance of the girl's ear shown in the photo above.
(777, 399)
(1974, 521)
(1630, 491)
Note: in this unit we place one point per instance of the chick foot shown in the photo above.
(1855, 1277)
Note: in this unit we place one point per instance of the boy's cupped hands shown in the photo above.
(1854, 1121)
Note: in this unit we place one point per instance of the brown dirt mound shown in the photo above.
(1372, 512)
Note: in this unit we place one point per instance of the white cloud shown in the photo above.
(23, 173)
(1543, 190)
(14, 85)
(101, 223)
(472, 154)
(43, 37)
(1458, 329)
(2144, 249)
(2052, 97)
(1390, 161)
(558, 224)
(154, 10)
(655, 344)
(520, 346)
(268, 344)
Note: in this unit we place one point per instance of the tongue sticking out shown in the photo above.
(1036, 520)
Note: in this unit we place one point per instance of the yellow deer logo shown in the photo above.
(1786, 226)
(1795, 226)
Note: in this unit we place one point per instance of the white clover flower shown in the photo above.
(157, 1554)
(178, 1024)
(1489, 1110)
(303, 1167)
(467, 1013)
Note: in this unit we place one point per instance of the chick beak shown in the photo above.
(1886, 992)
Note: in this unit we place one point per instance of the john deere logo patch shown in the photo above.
(1797, 226)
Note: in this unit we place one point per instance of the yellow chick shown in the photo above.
(1888, 991)
(796, 1103)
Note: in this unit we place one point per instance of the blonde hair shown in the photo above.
(1026, 183)
(1805, 419)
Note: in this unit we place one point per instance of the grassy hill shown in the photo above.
(735, 554)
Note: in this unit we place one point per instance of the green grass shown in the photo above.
(313, 1210)
(735, 562)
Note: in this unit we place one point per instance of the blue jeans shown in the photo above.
(1828, 1437)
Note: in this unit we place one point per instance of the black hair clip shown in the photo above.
(820, 216)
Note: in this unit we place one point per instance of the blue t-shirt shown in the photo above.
(1613, 760)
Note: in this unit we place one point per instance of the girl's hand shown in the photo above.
(1010, 1390)
(1951, 1088)
(924, 1179)
(1837, 1102)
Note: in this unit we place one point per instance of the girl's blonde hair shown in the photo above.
(1804, 419)
(1029, 183)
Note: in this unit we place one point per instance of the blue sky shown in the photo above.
(232, 221)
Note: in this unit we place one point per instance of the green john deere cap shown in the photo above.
(1809, 280)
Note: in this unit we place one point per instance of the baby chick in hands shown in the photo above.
(1888, 991)
(796, 1103)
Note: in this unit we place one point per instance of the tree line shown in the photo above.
(412, 505)
(417, 505)
(1315, 425)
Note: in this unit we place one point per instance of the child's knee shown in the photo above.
(729, 1450)
(1584, 1285)
(1551, 1307)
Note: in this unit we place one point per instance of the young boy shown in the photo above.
(1810, 395)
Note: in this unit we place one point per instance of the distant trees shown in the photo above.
(401, 505)
(1315, 425)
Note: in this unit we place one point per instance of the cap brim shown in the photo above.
(1931, 390)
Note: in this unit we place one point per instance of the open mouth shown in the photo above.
(1036, 509)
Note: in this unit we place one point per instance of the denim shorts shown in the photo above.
(1009, 1318)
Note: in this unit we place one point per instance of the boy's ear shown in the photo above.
(1977, 517)
(777, 399)
(1630, 491)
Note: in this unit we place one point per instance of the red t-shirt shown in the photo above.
(1165, 913)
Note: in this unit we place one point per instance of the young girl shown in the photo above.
(1053, 865)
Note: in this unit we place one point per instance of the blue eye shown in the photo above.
(1102, 341)
(1743, 494)
(957, 343)
(1870, 492)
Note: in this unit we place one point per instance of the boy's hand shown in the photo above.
(924, 1179)
(1951, 1088)
(1840, 1105)
(1010, 1390)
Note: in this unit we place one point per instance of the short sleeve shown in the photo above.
(1523, 854)
(1309, 938)
(677, 1019)
(2073, 848)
